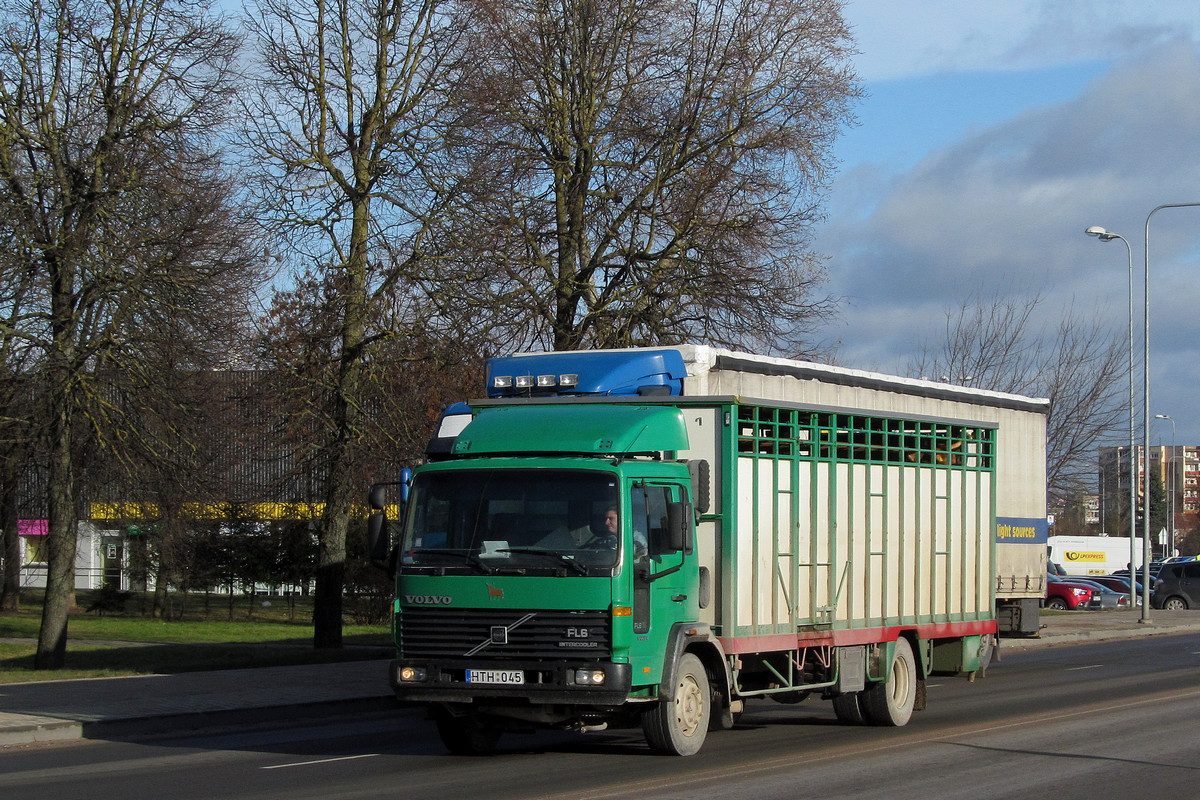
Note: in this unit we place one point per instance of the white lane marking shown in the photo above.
(321, 761)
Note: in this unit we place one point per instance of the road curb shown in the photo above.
(18, 729)
(1099, 635)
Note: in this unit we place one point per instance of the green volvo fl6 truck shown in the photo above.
(654, 537)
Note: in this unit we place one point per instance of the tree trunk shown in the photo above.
(331, 568)
(331, 559)
(160, 589)
(60, 544)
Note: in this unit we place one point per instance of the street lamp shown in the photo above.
(1170, 479)
(1146, 401)
(1108, 236)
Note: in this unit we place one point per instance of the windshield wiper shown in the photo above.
(563, 558)
(472, 560)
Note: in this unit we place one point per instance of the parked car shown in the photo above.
(1117, 583)
(1063, 595)
(1109, 598)
(1124, 573)
(1177, 586)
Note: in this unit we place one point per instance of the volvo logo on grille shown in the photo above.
(428, 599)
(498, 634)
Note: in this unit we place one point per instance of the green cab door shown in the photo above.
(664, 587)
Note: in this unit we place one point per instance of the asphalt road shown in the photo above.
(1111, 719)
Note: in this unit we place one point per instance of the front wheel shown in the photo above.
(1056, 604)
(678, 726)
(891, 702)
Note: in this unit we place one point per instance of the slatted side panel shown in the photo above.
(854, 521)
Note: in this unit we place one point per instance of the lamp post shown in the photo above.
(1108, 236)
(1171, 480)
(1146, 404)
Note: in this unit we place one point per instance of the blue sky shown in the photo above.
(992, 134)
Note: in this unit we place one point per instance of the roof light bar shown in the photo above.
(565, 381)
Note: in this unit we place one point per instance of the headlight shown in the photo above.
(411, 675)
(589, 677)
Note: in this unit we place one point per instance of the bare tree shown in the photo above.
(996, 343)
(106, 109)
(644, 171)
(345, 123)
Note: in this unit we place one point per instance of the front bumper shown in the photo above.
(543, 682)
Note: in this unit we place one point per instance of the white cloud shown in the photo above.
(905, 38)
(1005, 208)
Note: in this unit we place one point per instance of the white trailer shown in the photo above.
(1018, 565)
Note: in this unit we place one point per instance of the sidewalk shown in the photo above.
(1075, 627)
(57, 710)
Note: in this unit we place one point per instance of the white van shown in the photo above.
(1093, 555)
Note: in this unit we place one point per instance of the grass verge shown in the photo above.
(129, 644)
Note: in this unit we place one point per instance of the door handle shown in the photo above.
(679, 598)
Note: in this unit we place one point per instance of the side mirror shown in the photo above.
(377, 496)
(379, 545)
(378, 542)
(701, 484)
(680, 531)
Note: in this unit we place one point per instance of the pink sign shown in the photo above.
(33, 527)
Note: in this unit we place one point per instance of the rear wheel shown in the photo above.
(465, 735)
(891, 702)
(849, 710)
(1175, 604)
(678, 726)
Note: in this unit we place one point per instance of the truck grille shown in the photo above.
(452, 633)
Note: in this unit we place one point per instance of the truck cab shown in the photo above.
(541, 570)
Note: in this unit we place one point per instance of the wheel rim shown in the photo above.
(689, 706)
(900, 682)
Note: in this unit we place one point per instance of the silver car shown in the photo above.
(1108, 597)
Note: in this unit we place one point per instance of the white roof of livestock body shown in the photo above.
(715, 371)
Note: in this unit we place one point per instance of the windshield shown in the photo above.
(500, 520)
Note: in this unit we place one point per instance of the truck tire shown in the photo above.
(849, 710)
(465, 735)
(890, 702)
(678, 727)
